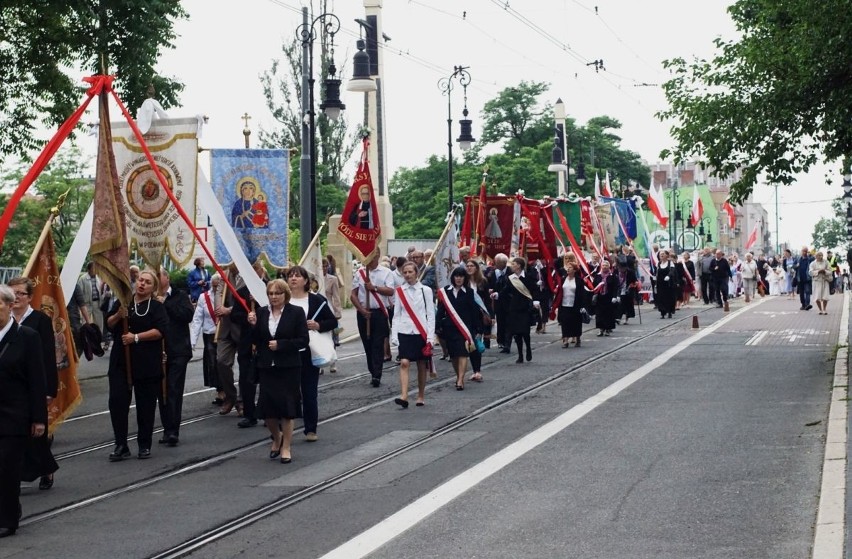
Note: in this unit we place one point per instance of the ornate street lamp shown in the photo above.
(465, 138)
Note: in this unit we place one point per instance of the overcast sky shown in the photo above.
(221, 53)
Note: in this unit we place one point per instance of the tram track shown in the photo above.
(277, 505)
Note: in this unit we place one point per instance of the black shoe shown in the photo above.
(809, 307)
(6, 532)
(164, 440)
(401, 402)
(172, 440)
(520, 359)
(505, 350)
(529, 355)
(144, 453)
(600, 334)
(120, 453)
(45, 483)
(246, 422)
(375, 383)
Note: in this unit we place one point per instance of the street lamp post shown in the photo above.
(704, 232)
(331, 106)
(673, 211)
(465, 138)
(686, 212)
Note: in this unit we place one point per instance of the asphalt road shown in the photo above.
(650, 443)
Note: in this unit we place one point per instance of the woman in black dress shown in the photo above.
(146, 322)
(320, 319)
(477, 282)
(668, 285)
(626, 289)
(570, 300)
(606, 291)
(518, 296)
(23, 413)
(460, 328)
(38, 460)
(279, 332)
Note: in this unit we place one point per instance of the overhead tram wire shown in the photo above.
(437, 69)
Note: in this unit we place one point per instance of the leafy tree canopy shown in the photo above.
(774, 102)
(524, 132)
(830, 232)
(65, 173)
(41, 39)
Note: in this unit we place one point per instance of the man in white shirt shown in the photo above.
(372, 287)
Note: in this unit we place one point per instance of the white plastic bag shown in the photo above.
(323, 353)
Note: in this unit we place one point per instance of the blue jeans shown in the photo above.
(804, 289)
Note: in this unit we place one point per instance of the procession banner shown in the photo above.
(570, 210)
(540, 241)
(48, 298)
(498, 216)
(625, 211)
(312, 260)
(446, 255)
(154, 225)
(253, 187)
(359, 224)
(607, 226)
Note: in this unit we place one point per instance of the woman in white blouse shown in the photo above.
(408, 337)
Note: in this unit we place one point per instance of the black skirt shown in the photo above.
(411, 347)
(571, 322)
(38, 460)
(280, 393)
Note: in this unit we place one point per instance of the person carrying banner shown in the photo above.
(605, 298)
(204, 325)
(458, 322)
(413, 332)
(519, 300)
(147, 321)
(371, 287)
(22, 406)
(38, 460)
(178, 353)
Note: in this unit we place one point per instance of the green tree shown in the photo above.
(830, 232)
(282, 89)
(65, 173)
(515, 118)
(40, 39)
(773, 102)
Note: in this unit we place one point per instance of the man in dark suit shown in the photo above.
(720, 272)
(178, 353)
(23, 406)
(245, 356)
(497, 276)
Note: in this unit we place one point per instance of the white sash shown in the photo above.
(454, 316)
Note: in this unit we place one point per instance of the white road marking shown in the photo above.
(408, 517)
(757, 338)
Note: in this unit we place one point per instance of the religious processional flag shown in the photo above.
(539, 240)
(109, 249)
(446, 254)
(623, 210)
(312, 260)
(478, 245)
(495, 230)
(48, 298)
(253, 187)
(606, 187)
(155, 226)
(359, 223)
(605, 226)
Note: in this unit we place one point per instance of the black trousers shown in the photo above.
(171, 407)
(720, 288)
(708, 288)
(475, 361)
(248, 384)
(208, 363)
(226, 353)
(146, 407)
(374, 341)
(11, 460)
(503, 339)
(310, 393)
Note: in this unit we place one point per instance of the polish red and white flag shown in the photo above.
(732, 216)
(697, 207)
(657, 205)
(752, 238)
